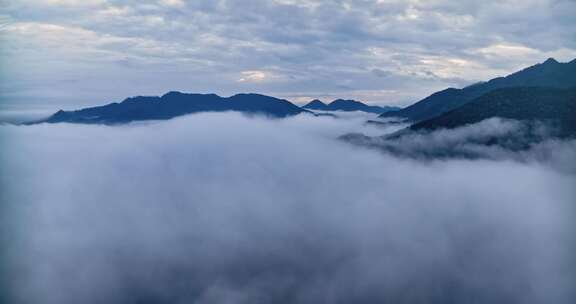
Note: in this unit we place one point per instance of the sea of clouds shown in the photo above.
(223, 208)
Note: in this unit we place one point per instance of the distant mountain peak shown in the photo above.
(347, 105)
(551, 61)
(172, 93)
(316, 102)
(346, 101)
(250, 95)
(178, 94)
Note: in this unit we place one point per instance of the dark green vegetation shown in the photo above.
(552, 106)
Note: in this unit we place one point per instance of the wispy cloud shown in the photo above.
(330, 47)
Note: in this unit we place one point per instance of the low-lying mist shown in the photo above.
(221, 208)
(494, 138)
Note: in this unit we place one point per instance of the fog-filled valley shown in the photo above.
(227, 208)
(287, 152)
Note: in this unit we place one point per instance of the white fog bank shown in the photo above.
(221, 208)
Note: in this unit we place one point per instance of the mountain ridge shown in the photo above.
(509, 119)
(553, 106)
(550, 73)
(174, 104)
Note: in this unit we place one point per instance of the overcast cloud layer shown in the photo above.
(66, 53)
(279, 211)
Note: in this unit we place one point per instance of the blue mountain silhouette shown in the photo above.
(347, 105)
(175, 104)
(550, 73)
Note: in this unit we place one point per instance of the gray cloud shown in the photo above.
(304, 49)
(169, 213)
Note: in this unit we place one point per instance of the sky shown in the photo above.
(75, 53)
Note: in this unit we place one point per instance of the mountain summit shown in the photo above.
(550, 73)
(316, 105)
(551, 61)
